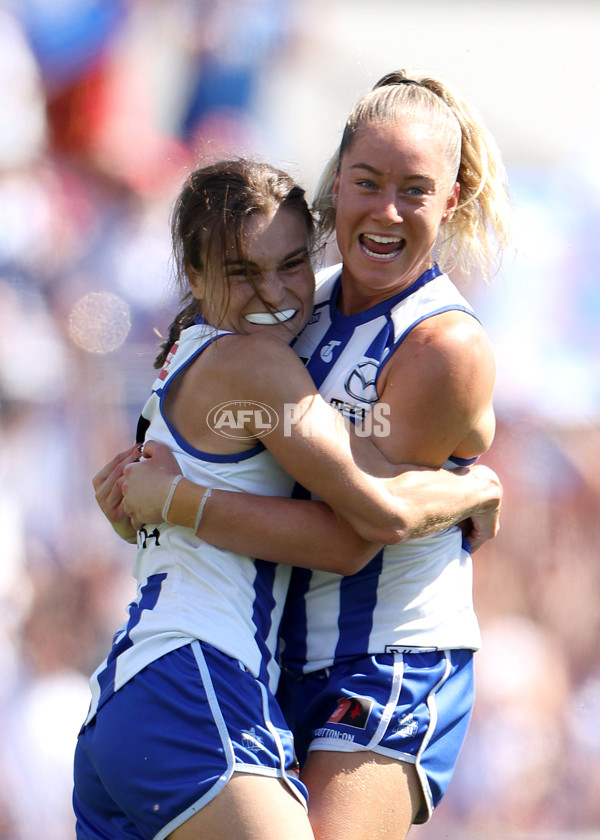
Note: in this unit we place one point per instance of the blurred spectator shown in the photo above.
(231, 43)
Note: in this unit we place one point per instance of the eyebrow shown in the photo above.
(375, 171)
(297, 252)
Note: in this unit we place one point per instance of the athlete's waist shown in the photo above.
(468, 638)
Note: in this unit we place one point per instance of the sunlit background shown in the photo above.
(105, 105)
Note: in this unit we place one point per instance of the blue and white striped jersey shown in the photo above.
(188, 589)
(414, 595)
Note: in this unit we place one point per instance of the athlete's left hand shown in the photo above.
(109, 493)
(146, 484)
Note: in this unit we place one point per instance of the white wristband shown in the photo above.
(200, 510)
(169, 499)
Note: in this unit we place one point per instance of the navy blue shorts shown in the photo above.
(414, 707)
(169, 740)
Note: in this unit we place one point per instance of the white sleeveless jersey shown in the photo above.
(188, 589)
(412, 596)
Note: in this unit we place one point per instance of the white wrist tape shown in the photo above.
(200, 510)
(169, 499)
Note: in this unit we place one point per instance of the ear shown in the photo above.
(451, 204)
(197, 285)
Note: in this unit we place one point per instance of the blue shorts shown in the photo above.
(414, 707)
(169, 740)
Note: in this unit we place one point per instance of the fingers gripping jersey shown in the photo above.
(414, 595)
(186, 588)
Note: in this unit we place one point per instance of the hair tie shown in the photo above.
(394, 79)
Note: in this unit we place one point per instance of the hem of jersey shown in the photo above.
(305, 669)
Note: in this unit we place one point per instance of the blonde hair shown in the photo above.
(479, 231)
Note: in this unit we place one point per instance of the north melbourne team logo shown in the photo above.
(252, 740)
(361, 382)
(352, 711)
(408, 726)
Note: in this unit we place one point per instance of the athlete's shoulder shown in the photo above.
(443, 289)
(325, 280)
(236, 356)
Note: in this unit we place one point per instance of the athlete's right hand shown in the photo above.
(109, 493)
(484, 524)
(147, 483)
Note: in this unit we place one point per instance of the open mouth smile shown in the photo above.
(381, 247)
(278, 317)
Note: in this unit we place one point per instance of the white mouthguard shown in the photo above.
(270, 317)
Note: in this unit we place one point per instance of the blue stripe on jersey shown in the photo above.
(355, 620)
(324, 357)
(383, 341)
(342, 327)
(264, 603)
(150, 592)
(294, 623)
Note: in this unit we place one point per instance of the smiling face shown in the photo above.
(392, 192)
(269, 286)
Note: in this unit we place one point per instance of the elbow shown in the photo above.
(391, 531)
(350, 554)
(391, 521)
(350, 563)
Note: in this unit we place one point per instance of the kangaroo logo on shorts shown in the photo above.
(408, 726)
(252, 740)
(352, 711)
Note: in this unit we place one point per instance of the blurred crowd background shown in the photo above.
(106, 104)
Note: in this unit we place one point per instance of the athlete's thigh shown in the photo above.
(355, 795)
(249, 808)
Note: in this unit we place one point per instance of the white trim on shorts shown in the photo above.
(347, 746)
(227, 747)
(257, 770)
